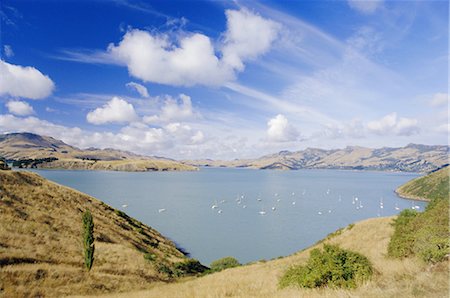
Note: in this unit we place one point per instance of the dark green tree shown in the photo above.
(88, 239)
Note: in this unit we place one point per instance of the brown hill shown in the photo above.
(26, 146)
(411, 158)
(41, 248)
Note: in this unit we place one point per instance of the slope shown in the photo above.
(41, 249)
(429, 187)
(393, 278)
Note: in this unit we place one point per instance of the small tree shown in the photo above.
(224, 263)
(88, 239)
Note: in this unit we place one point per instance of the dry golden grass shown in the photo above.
(393, 278)
(41, 250)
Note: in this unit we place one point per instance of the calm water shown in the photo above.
(239, 231)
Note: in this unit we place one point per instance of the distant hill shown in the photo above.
(41, 245)
(41, 150)
(411, 158)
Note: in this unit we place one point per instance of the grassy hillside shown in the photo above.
(392, 277)
(429, 187)
(41, 246)
(426, 234)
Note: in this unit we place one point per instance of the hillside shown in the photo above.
(411, 158)
(41, 246)
(393, 278)
(424, 234)
(427, 188)
(32, 147)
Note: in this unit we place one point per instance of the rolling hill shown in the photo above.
(59, 155)
(41, 246)
(411, 158)
(434, 186)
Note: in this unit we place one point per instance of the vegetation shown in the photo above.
(88, 239)
(332, 267)
(426, 234)
(185, 268)
(48, 218)
(434, 186)
(224, 263)
(32, 163)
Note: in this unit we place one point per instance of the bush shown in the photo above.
(224, 263)
(422, 234)
(189, 267)
(332, 267)
(88, 239)
(150, 257)
(402, 241)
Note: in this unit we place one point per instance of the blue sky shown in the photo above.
(221, 79)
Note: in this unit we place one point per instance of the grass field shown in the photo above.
(41, 246)
(392, 277)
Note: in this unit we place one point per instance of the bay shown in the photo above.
(259, 214)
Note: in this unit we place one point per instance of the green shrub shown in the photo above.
(332, 267)
(224, 263)
(88, 239)
(422, 234)
(150, 257)
(189, 267)
(402, 241)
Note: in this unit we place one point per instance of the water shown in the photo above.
(244, 233)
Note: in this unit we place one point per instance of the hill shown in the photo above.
(430, 187)
(411, 158)
(392, 278)
(41, 247)
(46, 152)
(426, 234)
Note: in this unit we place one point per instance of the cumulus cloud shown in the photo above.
(439, 99)
(19, 108)
(279, 130)
(15, 77)
(190, 58)
(365, 6)
(174, 110)
(116, 110)
(248, 35)
(7, 49)
(142, 90)
(391, 124)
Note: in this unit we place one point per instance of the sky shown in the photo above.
(225, 79)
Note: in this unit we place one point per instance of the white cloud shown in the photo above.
(19, 108)
(443, 128)
(279, 130)
(439, 99)
(7, 49)
(142, 90)
(365, 6)
(25, 82)
(390, 124)
(190, 58)
(248, 35)
(116, 110)
(173, 110)
(154, 58)
(136, 137)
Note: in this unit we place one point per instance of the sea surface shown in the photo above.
(244, 213)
